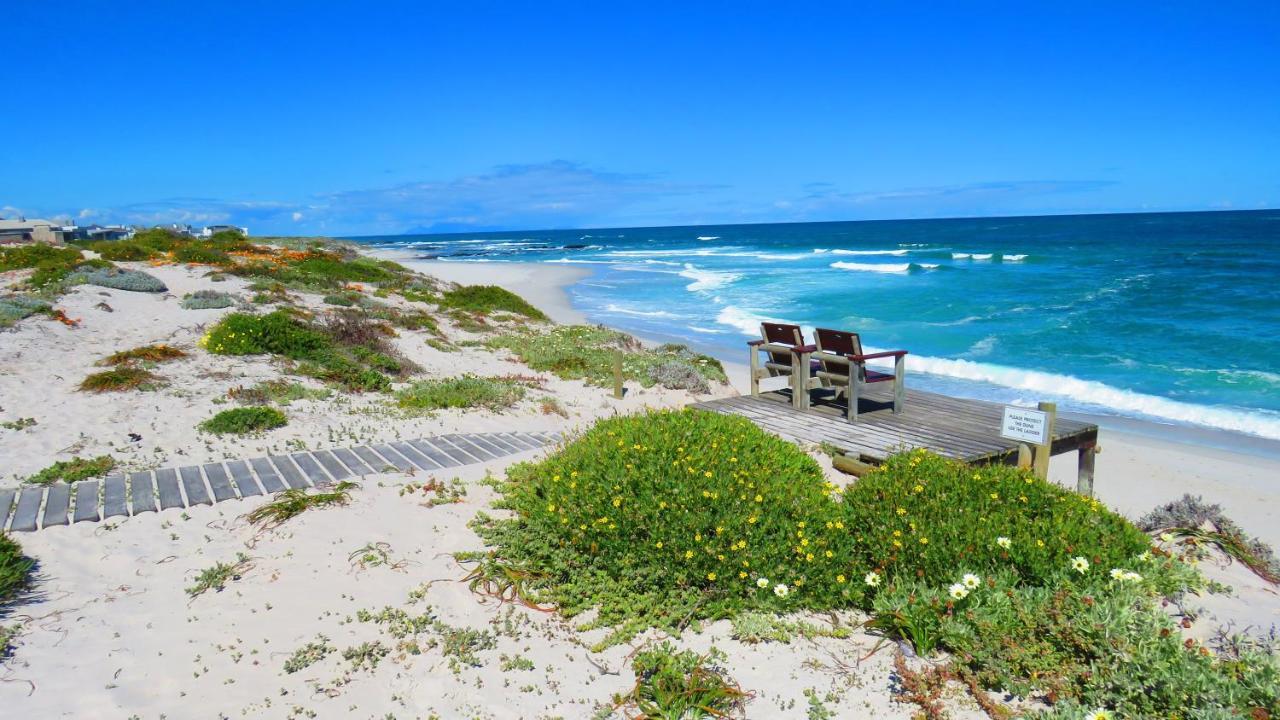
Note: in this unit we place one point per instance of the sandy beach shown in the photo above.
(112, 632)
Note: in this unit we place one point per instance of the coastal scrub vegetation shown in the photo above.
(295, 501)
(74, 470)
(682, 684)
(123, 279)
(583, 352)
(208, 300)
(146, 353)
(350, 350)
(488, 299)
(676, 517)
(466, 391)
(215, 578)
(15, 308)
(244, 420)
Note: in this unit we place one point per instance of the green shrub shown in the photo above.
(158, 239)
(582, 352)
(208, 300)
(121, 279)
(278, 391)
(486, 299)
(277, 333)
(119, 379)
(15, 571)
(461, 392)
(200, 253)
(17, 307)
(668, 517)
(243, 420)
(682, 685)
(74, 470)
(124, 250)
(340, 300)
(923, 516)
(18, 257)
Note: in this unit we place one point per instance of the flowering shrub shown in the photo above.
(925, 517)
(671, 516)
(240, 421)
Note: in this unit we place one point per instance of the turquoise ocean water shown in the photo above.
(1173, 317)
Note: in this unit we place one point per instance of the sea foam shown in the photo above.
(706, 279)
(871, 267)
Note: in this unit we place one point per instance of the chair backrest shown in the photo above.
(839, 342)
(781, 334)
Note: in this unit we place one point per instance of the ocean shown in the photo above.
(1173, 317)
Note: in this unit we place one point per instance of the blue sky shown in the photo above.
(385, 117)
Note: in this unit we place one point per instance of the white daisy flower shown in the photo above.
(1100, 714)
(762, 583)
(872, 579)
(971, 581)
(958, 591)
(1079, 564)
(1004, 542)
(780, 590)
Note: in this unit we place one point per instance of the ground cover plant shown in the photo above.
(1192, 517)
(120, 379)
(465, 391)
(487, 299)
(244, 420)
(15, 571)
(14, 308)
(295, 501)
(671, 518)
(282, 392)
(583, 352)
(122, 279)
(74, 470)
(682, 685)
(215, 578)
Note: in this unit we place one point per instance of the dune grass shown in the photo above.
(295, 501)
(147, 353)
(487, 299)
(15, 571)
(120, 379)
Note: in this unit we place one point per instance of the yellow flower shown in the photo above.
(924, 541)
(688, 554)
(759, 498)
(658, 545)
(752, 520)
(711, 576)
(902, 511)
(707, 474)
(840, 579)
(830, 554)
(551, 508)
(839, 525)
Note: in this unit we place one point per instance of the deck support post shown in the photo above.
(899, 383)
(855, 390)
(1084, 470)
(800, 381)
(1041, 463)
(755, 369)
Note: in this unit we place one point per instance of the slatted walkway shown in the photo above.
(35, 507)
(967, 430)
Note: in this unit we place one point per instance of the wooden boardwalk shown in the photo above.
(36, 506)
(967, 430)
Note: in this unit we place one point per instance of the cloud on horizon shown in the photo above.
(561, 194)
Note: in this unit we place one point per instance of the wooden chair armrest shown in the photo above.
(873, 356)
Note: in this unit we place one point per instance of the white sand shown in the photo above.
(112, 633)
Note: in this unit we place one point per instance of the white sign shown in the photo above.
(1026, 425)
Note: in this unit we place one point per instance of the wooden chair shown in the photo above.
(786, 355)
(843, 366)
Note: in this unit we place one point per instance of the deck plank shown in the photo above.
(307, 463)
(456, 449)
(193, 485)
(56, 505)
(394, 458)
(440, 457)
(142, 492)
(167, 488)
(113, 497)
(411, 454)
(488, 444)
(86, 502)
(28, 510)
(464, 442)
(335, 468)
(373, 459)
(353, 461)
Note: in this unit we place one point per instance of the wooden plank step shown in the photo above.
(271, 481)
(311, 468)
(86, 502)
(142, 492)
(219, 482)
(437, 455)
(488, 445)
(57, 505)
(113, 502)
(505, 443)
(462, 442)
(6, 503)
(393, 458)
(289, 472)
(28, 510)
(193, 485)
(373, 459)
(167, 488)
(243, 478)
(352, 461)
(411, 454)
(332, 465)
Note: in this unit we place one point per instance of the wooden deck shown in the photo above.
(967, 430)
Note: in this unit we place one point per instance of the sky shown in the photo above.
(392, 117)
